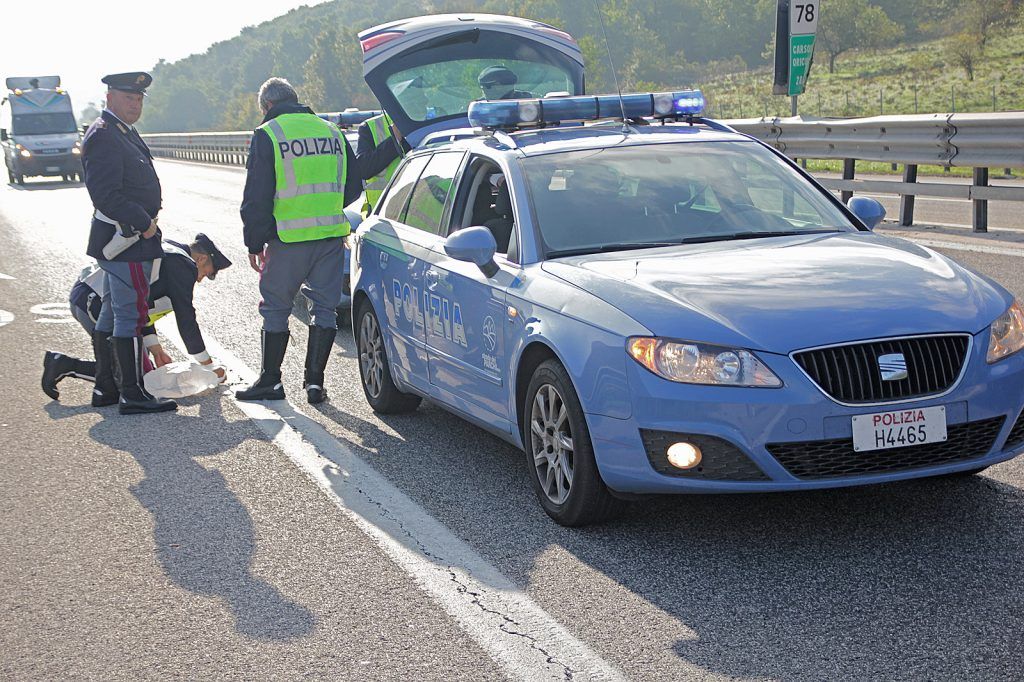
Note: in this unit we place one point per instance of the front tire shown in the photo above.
(560, 454)
(375, 370)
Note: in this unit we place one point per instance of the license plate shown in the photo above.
(52, 169)
(899, 429)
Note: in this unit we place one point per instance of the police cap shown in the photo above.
(497, 74)
(133, 81)
(206, 245)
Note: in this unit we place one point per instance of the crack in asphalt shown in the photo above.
(568, 673)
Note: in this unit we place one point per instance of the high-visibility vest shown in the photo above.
(380, 129)
(311, 167)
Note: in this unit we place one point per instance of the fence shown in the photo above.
(978, 141)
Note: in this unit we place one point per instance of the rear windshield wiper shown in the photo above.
(605, 248)
(751, 235)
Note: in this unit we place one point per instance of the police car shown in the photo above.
(663, 305)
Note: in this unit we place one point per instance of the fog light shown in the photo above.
(684, 455)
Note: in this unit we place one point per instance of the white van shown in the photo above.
(38, 132)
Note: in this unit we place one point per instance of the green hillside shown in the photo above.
(722, 45)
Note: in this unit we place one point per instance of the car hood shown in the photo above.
(785, 293)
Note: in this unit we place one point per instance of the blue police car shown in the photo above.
(668, 306)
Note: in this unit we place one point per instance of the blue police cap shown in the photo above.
(133, 81)
(206, 245)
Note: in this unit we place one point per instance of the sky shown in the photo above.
(82, 41)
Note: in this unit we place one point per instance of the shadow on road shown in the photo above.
(203, 534)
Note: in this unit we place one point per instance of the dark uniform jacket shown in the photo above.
(122, 184)
(176, 282)
(259, 226)
(374, 159)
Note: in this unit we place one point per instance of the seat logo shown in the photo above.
(893, 367)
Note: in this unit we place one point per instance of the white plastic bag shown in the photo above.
(180, 379)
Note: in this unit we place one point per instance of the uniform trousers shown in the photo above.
(316, 267)
(125, 310)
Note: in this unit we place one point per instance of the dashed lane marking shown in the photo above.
(959, 246)
(3, 276)
(514, 630)
(6, 317)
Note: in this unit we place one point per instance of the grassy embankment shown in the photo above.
(918, 78)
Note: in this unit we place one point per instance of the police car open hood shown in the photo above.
(441, 51)
(786, 293)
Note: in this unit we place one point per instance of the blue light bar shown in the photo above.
(524, 113)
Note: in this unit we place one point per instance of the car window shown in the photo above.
(393, 204)
(436, 90)
(433, 192)
(671, 193)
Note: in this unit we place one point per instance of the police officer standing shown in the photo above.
(301, 173)
(125, 240)
(379, 151)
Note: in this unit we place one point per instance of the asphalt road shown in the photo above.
(225, 541)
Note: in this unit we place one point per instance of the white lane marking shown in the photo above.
(3, 276)
(5, 317)
(516, 632)
(51, 313)
(956, 246)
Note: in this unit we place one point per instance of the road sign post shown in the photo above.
(795, 29)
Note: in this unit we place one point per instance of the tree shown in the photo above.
(965, 48)
(90, 112)
(849, 24)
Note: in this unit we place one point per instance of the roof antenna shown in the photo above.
(608, 47)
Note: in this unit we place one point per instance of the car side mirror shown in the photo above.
(3, 135)
(474, 245)
(867, 209)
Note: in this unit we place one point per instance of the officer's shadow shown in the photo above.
(203, 534)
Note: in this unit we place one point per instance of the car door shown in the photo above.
(466, 316)
(391, 265)
(424, 70)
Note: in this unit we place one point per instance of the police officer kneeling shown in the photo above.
(301, 173)
(181, 268)
(124, 240)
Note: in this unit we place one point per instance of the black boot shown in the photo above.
(135, 399)
(268, 386)
(318, 350)
(57, 366)
(105, 392)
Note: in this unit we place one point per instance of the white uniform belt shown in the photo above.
(99, 216)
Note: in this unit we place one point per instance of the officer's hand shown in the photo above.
(256, 260)
(160, 356)
(399, 137)
(219, 371)
(345, 242)
(149, 233)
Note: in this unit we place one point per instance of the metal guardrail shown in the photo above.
(978, 141)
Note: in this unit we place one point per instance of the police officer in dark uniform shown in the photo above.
(124, 240)
(499, 82)
(181, 268)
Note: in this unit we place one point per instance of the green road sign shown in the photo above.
(801, 51)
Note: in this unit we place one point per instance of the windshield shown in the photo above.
(656, 195)
(43, 124)
(438, 90)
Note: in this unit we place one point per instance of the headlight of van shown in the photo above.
(77, 149)
(699, 363)
(21, 150)
(1007, 334)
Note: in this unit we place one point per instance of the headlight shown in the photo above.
(1007, 333)
(77, 149)
(699, 363)
(26, 153)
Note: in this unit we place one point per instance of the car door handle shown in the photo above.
(432, 277)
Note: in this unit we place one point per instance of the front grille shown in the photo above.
(1016, 436)
(720, 460)
(850, 374)
(836, 458)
